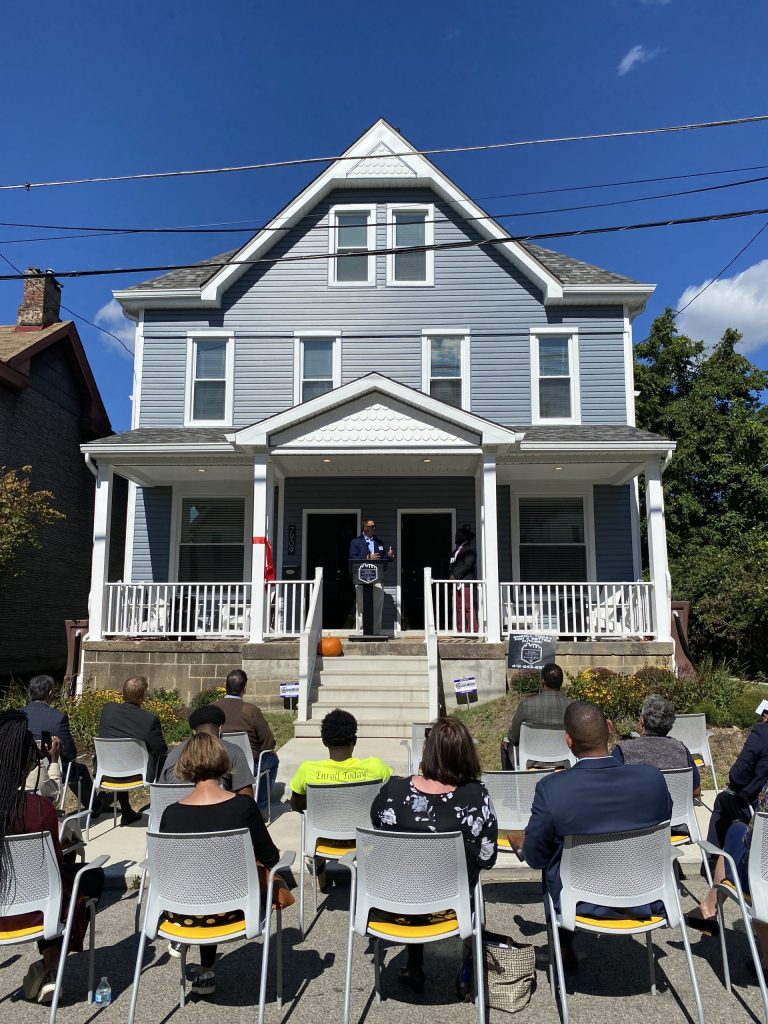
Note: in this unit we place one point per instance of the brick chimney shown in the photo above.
(41, 303)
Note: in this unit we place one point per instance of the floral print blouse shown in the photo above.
(401, 807)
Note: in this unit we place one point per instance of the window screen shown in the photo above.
(210, 381)
(552, 542)
(410, 231)
(212, 540)
(317, 367)
(351, 238)
(554, 379)
(445, 370)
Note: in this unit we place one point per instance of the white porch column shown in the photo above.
(657, 550)
(263, 499)
(102, 510)
(490, 546)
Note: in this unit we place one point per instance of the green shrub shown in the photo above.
(525, 681)
(14, 698)
(207, 697)
(618, 697)
(169, 697)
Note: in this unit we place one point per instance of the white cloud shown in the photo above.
(637, 55)
(740, 301)
(111, 318)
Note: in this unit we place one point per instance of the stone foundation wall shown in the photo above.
(620, 656)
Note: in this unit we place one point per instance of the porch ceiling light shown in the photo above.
(558, 468)
(327, 460)
(427, 460)
(201, 471)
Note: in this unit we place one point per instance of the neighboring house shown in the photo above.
(49, 406)
(290, 387)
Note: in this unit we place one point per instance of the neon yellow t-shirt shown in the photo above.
(329, 773)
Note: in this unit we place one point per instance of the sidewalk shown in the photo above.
(125, 847)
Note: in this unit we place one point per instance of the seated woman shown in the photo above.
(654, 745)
(23, 812)
(209, 808)
(446, 797)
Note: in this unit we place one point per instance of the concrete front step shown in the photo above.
(384, 728)
(374, 711)
(347, 697)
(378, 665)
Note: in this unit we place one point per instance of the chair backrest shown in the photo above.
(511, 794)
(692, 731)
(618, 869)
(240, 739)
(334, 812)
(411, 873)
(202, 874)
(36, 885)
(162, 795)
(757, 867)
(418, 735)
(545, 746)
(120, 758)
(680, 785)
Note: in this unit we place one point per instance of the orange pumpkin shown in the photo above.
(329, 647)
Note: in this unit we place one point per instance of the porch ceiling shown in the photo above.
(566, 468)
(377, 464)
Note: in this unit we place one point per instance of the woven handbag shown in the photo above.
(510, 972)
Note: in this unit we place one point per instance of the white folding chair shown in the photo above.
(512, 794)
(240, 739)
(692, 731)
(542, 746)
(419, 732)
(71, 833)
(617, 870)
(753, 904)
(161, 795)
(680, 785)
(328, 825)
(435, 867)
(121, 765)
(37, 888)
(206, 874)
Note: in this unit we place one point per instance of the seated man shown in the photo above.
(42, 718)
(543, 710)
(210, 719)
(339, 734)
(130, 721)
(654, 745)
(242, 716)
(599, 794)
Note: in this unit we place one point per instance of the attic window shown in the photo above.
(410, 233)
(352, 239)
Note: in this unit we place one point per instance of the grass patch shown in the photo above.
(281, 724)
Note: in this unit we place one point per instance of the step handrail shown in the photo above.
(308, 642)
(430, 639)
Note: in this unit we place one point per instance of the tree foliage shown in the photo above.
(716, 487)
(22, 513)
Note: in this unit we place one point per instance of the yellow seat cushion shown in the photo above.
(618, 925)
(16, 934)
(698, 761)
(728, 884)
(419, 926)
(681, 837)
(333, 847)
(106, 784)
(194, 928)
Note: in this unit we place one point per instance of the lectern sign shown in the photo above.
(367, 572)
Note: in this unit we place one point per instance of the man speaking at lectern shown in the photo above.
(368, 548)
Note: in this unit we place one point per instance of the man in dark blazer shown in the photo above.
(369, 548)
(242, 716)
(41, 717)
(544, 710)
(599, 794)
(129, 720)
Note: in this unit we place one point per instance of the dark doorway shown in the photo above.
(327, 547)
(426, 539)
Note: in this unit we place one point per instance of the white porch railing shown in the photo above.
(287, 607)
(430, 637)
(177, 609)
(595, 611)
(308, 641)
(459, 607)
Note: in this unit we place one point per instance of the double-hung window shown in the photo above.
(410, 233)
(212, 540)
(445, 367)
(210, 371)
(553, 547)
(317, 366)
(352, 240)
(555, 376)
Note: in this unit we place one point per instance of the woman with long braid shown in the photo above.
(24, 812)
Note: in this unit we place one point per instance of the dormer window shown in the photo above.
(445, 366)
(352, 239)
(555, 375)
(410, 229)
(210, 373)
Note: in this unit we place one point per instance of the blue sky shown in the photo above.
(101, 89)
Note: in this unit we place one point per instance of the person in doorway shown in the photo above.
(369, 548)
(463, 565)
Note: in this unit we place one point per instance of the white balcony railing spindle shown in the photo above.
(592, 611)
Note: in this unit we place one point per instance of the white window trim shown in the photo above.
(333, 231)
(539, 489)
(429, 239)
(427, 334)
(572, 333)
(298, 357)
(229, 368)
(210, 489)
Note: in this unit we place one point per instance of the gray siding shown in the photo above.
(613, 533)
(504, 526)
(152, 534)
(381, 326)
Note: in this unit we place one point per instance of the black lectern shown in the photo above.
(367, 573)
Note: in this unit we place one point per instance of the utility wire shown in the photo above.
(28, 185)
(728, 266)
(220, 262)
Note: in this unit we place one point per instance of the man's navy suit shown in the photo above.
(41, 717)
(359, 550)
(596, 795)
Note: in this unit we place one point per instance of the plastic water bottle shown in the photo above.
(103, 995)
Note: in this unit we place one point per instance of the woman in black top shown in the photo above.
(463, 565)
(446, 797)
(208, 808)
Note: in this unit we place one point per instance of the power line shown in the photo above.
(483, 147)
(728, 266)
(437, 247)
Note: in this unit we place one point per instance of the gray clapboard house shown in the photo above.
(379, 349)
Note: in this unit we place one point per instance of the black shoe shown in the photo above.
(705, 925)
(129, 818)
(464, 981)
(413, 978)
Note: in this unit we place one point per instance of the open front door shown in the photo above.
(327, 546)
(426, 539)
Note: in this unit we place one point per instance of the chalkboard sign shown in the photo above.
(531, 650)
